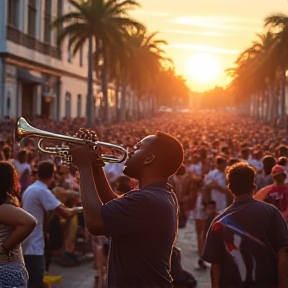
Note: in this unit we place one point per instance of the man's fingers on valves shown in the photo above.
(86, 134)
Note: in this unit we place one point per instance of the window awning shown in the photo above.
(25, 76)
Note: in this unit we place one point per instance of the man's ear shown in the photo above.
(149, 159)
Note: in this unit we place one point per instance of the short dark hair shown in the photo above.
(220, 159)
(233, 161)
(45, 170)
(268, 163)
(281, 147)
(282, 161)
(240, 177)
(170, 152)
(22, 155)
(7, 151)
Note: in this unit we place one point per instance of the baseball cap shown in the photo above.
(278, 169)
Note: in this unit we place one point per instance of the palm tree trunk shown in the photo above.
(262, 97)
(283, 99)
(250, 106)
(105, 103)
(256, 99)
(276, 111)
(138, 107)
(153, 105)
(253, 100)
(117, 102)
(89, 103)
(123, 102)
(268, 106)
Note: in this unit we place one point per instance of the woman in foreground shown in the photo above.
(15, 226)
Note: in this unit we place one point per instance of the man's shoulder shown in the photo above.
(261, 194)
(145, 192)
(211, 172)
(36, 186)
(254, 204)
(150, 192)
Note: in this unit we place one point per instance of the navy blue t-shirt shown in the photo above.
(142, 225)
(244, 240)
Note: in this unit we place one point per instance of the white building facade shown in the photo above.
(36, 76)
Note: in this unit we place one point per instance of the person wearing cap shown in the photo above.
(277, 193)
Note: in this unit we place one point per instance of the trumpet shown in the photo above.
(114, 153)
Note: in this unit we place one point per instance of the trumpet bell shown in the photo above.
(23, 130)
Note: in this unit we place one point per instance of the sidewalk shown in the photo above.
(187, 241)
(83, 275)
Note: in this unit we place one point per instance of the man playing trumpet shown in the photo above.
(142, 223)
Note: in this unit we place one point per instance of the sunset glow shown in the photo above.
(219, 30)
(202, 68)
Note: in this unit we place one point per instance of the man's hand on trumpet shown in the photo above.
(89, 153)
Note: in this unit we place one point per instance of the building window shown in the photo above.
(81, 56)
(31, 17)
(47, 21)
(79, 105)
(68, 105)
(12, 12)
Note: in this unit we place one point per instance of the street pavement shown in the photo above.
(83, 275)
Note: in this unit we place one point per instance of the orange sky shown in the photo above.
(220, 28)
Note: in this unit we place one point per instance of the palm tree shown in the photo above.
(268, 68)
(254, 76)
(176, 93)
(146, 59)
(106, 23)
(243, 83)
(279, 25)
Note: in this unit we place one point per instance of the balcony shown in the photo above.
(30, 42)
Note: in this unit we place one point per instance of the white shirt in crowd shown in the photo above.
(217, 196)
(195, 169)
(20, 167)
(256, 163)
(113, 171)
(36, 200)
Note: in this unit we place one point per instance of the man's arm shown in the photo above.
(90, 201)
(83, 157)
(215, 185)
(283, 268)
(215, 275)
(64, 212)
(104, 190)
(22, 221)
(262, 193)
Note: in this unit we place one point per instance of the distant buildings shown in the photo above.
(36, 76)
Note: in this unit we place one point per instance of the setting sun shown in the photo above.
(202, 67)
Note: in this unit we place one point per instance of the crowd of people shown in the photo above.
(215, 147)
